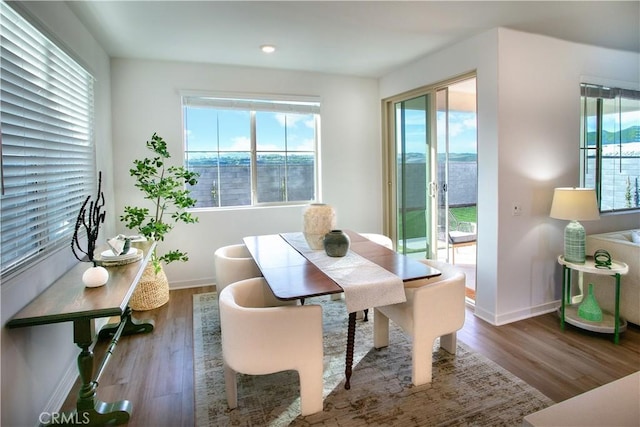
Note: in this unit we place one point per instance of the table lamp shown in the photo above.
(574, 204)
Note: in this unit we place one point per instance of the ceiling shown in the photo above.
(360, 38)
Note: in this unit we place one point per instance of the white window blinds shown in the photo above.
(46, 138)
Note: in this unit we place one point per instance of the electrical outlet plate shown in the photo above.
(516, 209)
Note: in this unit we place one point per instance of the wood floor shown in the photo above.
(155, 371)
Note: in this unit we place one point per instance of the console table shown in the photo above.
(68, 300)
(611, 322)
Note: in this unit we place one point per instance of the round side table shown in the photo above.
(611, 322)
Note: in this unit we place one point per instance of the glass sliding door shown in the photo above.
(431, 161)
(456, 130)
(442, 144)
(413, 174)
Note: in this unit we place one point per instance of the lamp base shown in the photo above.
(574, 243)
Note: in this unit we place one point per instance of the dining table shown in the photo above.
(293, 271)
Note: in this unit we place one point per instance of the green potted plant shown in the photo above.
(164, 187)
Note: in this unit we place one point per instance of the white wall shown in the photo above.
(528, 136)
(479, 53)
(146, 99)
(539, 116)
(39, 363)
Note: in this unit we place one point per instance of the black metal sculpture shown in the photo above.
(89, 219)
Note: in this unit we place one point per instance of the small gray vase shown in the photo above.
(336, 243)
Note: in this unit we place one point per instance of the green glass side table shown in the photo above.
(611, 323)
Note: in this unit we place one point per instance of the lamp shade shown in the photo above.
(578, 204)
(574, 204)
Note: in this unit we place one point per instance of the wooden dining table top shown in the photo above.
(291, 276)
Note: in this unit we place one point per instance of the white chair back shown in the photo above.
(232, 264)
(380, 239)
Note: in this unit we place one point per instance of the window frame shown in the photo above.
(592, 155)
(254, 103)
(47, 140)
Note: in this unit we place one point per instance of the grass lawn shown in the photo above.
(465, 214)
(416, 226)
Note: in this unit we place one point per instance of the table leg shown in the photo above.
(90, 410)
(616, 319)
(351, 333)
(132, 326)
(568, 290)
(577, 299)
(564, 295)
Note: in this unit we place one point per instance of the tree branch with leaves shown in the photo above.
(164, 186)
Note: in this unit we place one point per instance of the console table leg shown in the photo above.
(616, 318)
(132, 326)
(100, 414)
(566, 280)
(89, 410)
(351, 333)
(87, 392)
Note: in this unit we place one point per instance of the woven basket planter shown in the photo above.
(152, 290)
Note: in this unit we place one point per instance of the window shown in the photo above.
(610, 146)
(46, 137)
(251, 152)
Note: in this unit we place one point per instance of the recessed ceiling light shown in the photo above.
(268, 48)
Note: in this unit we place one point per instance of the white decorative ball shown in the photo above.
(95, 276)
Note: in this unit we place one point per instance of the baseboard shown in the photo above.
(186, 284)
(63, 389)
(517, 315)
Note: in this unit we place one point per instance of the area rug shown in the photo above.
(467, 388)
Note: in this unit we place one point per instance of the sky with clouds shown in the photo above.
(230, 130)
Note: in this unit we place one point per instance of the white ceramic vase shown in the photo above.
(319, 219)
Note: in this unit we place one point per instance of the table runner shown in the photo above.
(365, 284)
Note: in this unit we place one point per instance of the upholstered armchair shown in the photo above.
(233, 263)
(434, 308)
(262, 336)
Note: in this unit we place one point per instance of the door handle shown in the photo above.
(433, 189)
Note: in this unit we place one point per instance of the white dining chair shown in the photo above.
(260, 336)
(434, 308)
(233, 263)
(380, 239)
